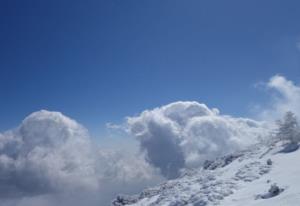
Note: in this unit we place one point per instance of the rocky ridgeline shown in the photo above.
(206, 186)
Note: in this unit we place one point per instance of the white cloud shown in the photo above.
(50, 160)
(286, 98)
(184, 134)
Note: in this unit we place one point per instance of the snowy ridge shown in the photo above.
(236, 179)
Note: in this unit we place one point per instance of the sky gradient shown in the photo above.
(99, 61)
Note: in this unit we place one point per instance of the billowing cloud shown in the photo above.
(50, 160)
(185, 134)
(286, 97)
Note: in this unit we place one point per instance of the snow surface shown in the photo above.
(231, 181)
(285, 172)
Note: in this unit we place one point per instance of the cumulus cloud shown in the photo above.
(50, 160)
(286, 97)
(185, 134)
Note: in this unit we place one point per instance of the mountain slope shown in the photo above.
(243, 178)
(285, 172)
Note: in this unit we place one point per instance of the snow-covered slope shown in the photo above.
(234, 180)
(285, 172)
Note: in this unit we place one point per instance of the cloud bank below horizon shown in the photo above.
(50, 159)
(185, 134)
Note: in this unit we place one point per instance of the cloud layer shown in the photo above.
(50, 160)
(185, 134)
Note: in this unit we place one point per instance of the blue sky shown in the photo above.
(99, 61)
